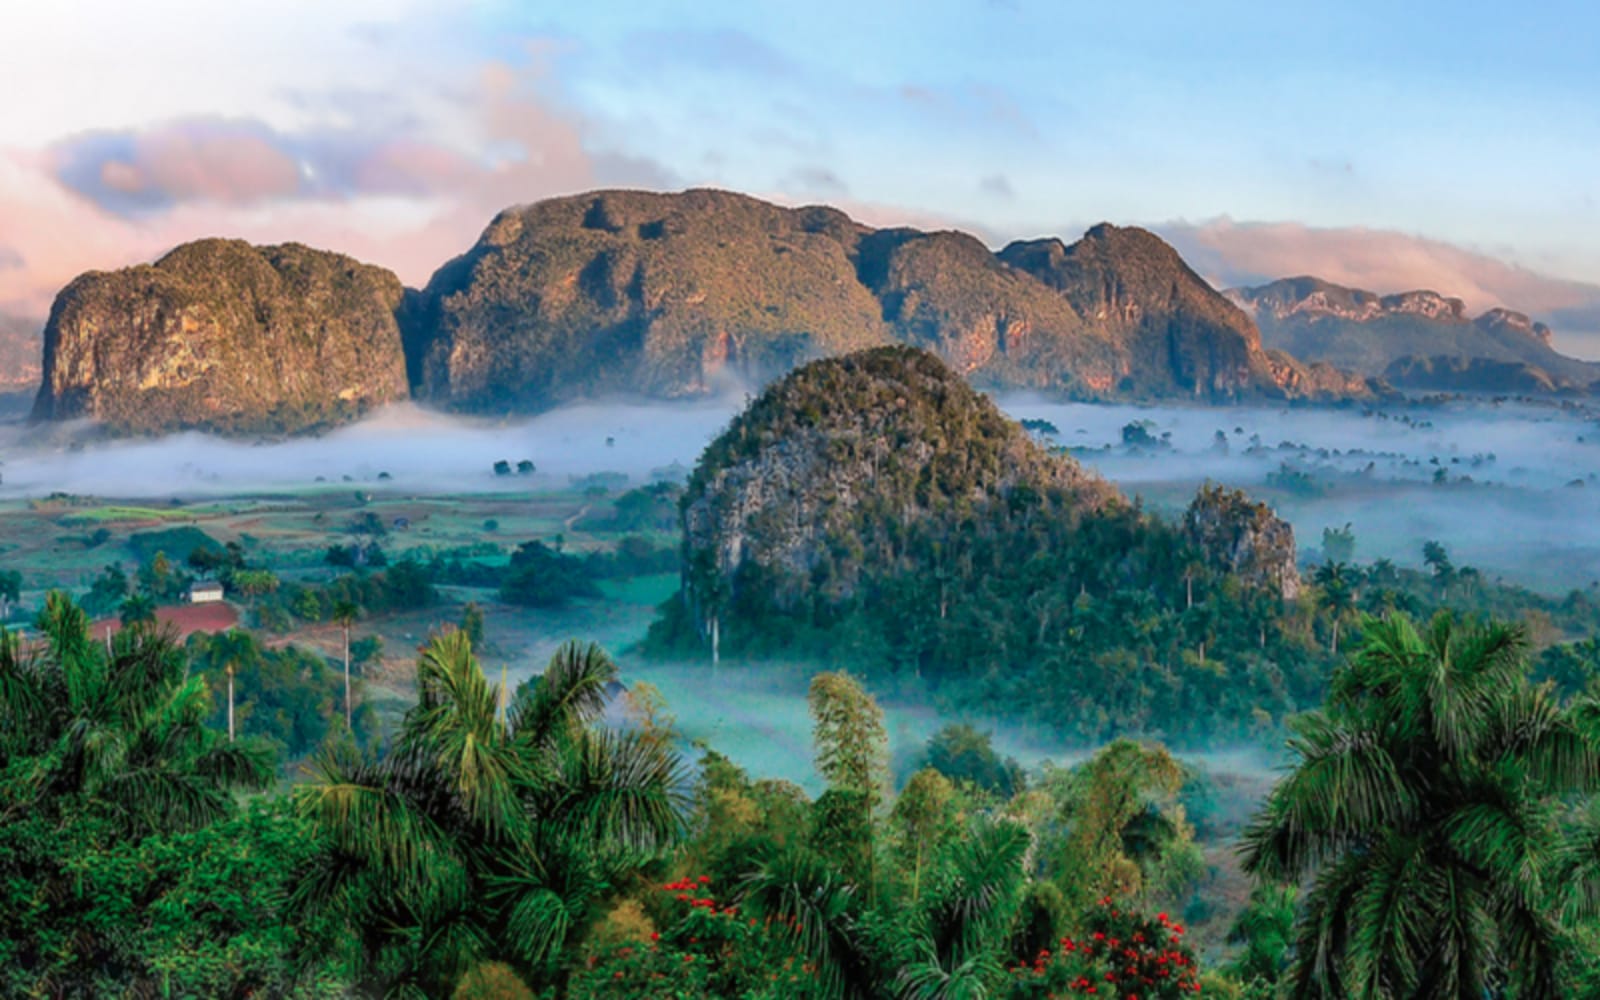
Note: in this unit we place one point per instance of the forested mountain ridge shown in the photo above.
(876, 509)
(667, 294)
(664, 296)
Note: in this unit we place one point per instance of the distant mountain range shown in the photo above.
(681, 295)
(1419, 339)
(19, 352)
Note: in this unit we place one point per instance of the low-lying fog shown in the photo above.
(1512, 488)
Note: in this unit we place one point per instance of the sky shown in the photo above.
(1452, 146)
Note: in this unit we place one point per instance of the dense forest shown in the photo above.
(874, 511)
(1435, 836)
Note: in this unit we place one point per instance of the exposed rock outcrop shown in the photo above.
(1244, 536)
(670, 295)
(224, 336)
(837, 450)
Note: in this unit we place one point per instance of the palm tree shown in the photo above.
(475, 840)
(233, 649)
(122, 728)
(345, 614)
(138, 609)
(1337, 596)
(1421, 808)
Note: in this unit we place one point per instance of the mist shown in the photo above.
(422, 451)
(1519, 498)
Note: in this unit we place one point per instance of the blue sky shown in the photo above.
(1393, 145)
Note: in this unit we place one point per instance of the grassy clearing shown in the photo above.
(103, 515)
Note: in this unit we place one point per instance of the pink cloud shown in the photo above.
(223, 165)
(1232, 253)
(1236, 253)
(409, 204)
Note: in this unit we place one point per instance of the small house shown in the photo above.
(205, 592)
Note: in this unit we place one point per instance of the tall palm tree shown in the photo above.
(123, 728)
(345, 614)
(1422, 806)
(1337, 596)
(475, 840)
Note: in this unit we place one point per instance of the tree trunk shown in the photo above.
(716, 644)
(348, 714)
(230, 703)
(1188, 592)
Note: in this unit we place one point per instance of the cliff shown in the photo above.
(1391, 335)
(833, 469)
(673, 295)
(224, 336)
(1245, 537)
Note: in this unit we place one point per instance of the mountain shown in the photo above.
(840, 448)
(636, 293)
(670, 295)
(1417, 339)
(224, 336)
(875, 509)
(19, 352)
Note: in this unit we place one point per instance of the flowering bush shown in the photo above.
(708, 949)
(1123, 955)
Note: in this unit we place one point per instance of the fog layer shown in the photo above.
(1511, 488)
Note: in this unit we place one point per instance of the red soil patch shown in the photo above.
(185, 618)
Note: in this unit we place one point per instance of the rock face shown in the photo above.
(1426, 339)
(847, 452)
(670, 295)
(224, 336)
(1245, 536)
(1178, 335)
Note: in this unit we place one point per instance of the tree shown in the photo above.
(125, 866)
(472, 624)
(1339, 544)
(1126, 833)
(1437, 559)
(254, 582)
(107, 591)
(1336, 596)
(473, 841)
(137, 609)
(156, 578)
(10, 592)
(1419, 807)
(1264, 930)
(852, 755)
(962, 753)
(122, 727)
(344, 615)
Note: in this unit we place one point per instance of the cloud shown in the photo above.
(403, 199)
(997, 186)
(1233, 253)
(815, 180)
(225, 161)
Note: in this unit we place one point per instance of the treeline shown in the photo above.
(1439, 818)
(1102, 627)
